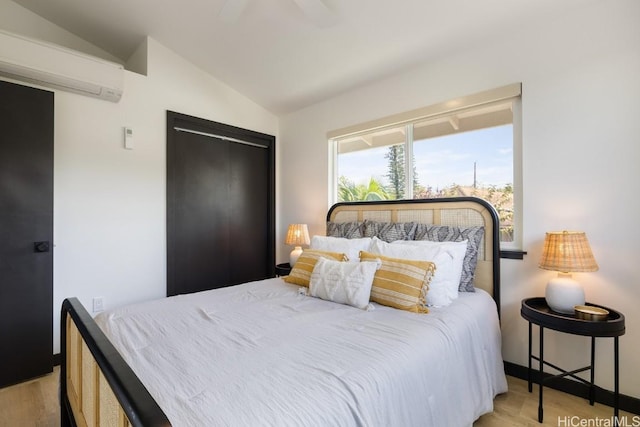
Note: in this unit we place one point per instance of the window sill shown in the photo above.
(512, 254)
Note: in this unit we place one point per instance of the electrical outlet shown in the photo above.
(98, 304)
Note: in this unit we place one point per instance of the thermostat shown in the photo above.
(128, 138)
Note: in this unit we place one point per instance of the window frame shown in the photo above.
(510, 93)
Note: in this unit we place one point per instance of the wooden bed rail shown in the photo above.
(97, 387)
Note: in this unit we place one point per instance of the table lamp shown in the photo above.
(566, 252)
(297, 235)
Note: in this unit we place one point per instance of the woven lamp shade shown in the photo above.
(567, 251)
(297, 234)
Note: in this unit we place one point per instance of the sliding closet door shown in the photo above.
(199, 248)
(220, 205)
(249, 223)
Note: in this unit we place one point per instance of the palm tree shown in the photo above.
(348, 191)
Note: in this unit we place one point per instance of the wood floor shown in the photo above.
(32, 403)
(35, 404)
(518, 408)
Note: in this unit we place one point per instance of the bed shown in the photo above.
(264, 353)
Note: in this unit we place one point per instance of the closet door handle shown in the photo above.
(41, 246)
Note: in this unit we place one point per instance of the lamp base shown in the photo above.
(563, 294)
(294, 255)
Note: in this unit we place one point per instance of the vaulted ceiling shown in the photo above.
(288, 54)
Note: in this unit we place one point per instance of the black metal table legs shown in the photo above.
(616, 382)
(591, 368)
(541, 378)
(530, 352)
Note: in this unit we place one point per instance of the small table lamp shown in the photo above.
(566, 252)
(297, 235)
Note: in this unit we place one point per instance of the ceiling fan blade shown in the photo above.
(232, 9)
(317, 12)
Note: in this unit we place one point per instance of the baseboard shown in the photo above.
(56, 359)
(605, 397)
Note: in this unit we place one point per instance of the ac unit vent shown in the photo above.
(46, 64)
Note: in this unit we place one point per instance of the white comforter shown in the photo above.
(261, 354)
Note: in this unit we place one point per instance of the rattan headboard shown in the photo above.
(458, 211)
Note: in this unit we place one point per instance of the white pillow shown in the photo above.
(343, 282)
(350, 247)
(447, 256)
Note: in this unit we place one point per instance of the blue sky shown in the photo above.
(443, 161)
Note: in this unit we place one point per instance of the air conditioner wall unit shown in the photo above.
(46, 64)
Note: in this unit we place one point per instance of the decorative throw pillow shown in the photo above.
(447, 256)
(400, 283)
(442, 233)
(301, 271)
(390, 231)
(349, 230)
(351, 247)
(343, 282)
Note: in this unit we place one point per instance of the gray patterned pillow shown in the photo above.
(390, 231)
(445, 233)
(349, 230)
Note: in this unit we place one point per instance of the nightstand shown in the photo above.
(536, 311)
(283, 269)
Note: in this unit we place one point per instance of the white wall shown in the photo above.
(581, 109)
(109, 203)
(16, 19)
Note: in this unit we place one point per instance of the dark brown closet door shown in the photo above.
(201, 241)
(249, 222)
(220, 205)
(26, 233)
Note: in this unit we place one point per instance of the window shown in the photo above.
(439, 151)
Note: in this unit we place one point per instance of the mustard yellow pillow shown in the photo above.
(400, 283)
(301, 272)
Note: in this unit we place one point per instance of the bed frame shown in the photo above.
(98, 388)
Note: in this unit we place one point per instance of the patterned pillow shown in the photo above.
(400, 283)
(343, 282)
(390, 231)
(349, 230)
(446, 233)
(301, 272)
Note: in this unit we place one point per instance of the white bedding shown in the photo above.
(261, 354)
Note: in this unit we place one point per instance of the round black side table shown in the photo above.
(536, 311)
(283, 269)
